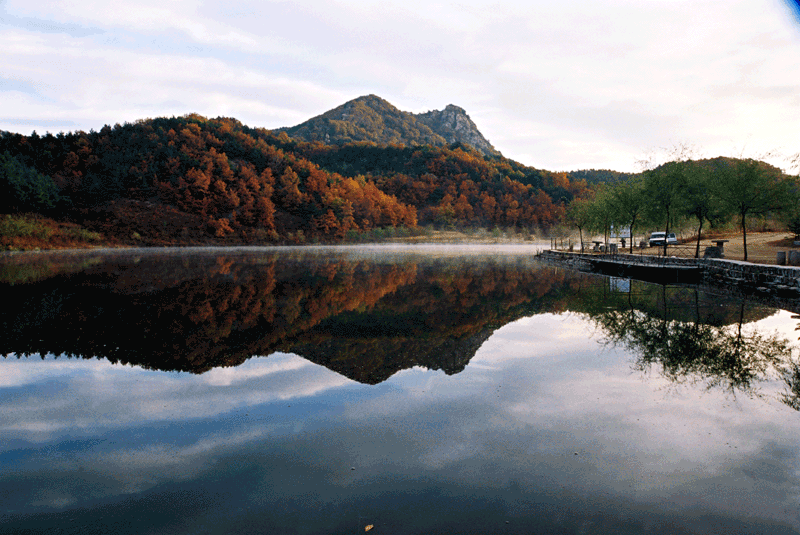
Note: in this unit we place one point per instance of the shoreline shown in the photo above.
(530, 247)
(772, 285)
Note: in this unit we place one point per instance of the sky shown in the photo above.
(566, 85)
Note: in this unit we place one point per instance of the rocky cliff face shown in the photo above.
(453, 124)
(371, 118)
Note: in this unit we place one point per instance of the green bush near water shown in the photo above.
(380, 234)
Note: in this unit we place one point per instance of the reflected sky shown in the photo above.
(548, 429)
(83, 396)
(544, 418)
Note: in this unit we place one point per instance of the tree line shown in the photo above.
(686, 193)
(455, 186)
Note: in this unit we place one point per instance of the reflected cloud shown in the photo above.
(546, 336)
(88, 396)
(40, 25)
(612, 416)
(21, 371)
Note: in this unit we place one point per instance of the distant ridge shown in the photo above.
(373, 119)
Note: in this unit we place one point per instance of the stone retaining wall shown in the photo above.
(574, 260)
(783, 281)
(779, 278)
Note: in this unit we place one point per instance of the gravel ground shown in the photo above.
(762, 247)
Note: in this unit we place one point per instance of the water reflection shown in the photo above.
(681, 334)
(491, 406)
(366, 319)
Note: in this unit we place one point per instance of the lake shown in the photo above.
(390, 389)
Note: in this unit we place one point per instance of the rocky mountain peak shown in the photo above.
(453, 124)
(371, 118)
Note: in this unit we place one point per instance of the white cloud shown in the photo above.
(555, 85)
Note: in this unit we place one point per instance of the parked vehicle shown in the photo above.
(658, 238)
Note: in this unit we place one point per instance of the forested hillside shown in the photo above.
(190, 178)
(195, 180)
(455, 185)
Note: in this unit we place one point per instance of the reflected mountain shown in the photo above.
(365, 317)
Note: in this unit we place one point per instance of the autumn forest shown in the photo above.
(192, 180)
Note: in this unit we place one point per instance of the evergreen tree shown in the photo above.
(22, 188)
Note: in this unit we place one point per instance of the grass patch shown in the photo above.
(81, 234)
(20, 226)
(377, 235)
(30, 232)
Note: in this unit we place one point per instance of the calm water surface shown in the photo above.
(417, 390)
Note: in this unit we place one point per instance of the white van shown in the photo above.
(658, 238)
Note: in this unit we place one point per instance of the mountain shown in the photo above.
(191, 180)
(373, 119)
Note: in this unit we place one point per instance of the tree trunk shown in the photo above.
(699, 231)
(738, 344)
(744, 237)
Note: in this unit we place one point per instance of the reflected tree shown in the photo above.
(729, 357)
(791, 376)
